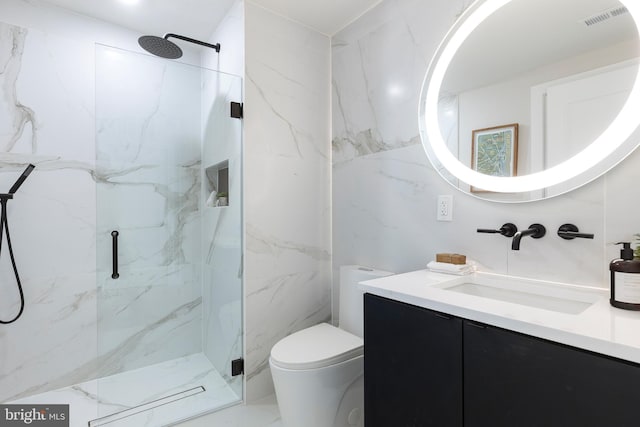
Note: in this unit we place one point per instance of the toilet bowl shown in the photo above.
(318, 372)
(312, 371)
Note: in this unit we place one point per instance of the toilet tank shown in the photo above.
(351, 305)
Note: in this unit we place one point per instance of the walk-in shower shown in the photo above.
(142, 325)
(169, 266)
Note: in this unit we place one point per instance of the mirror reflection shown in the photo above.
(535, 83)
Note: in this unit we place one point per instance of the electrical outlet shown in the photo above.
(445, 208)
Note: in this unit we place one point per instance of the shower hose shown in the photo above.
(4, 229)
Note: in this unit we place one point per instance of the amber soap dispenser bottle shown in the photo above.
(625, 279)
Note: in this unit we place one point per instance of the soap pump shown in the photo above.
(625, 279)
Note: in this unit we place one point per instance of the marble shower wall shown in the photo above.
(287, 186)
(47, 117)
(148, 172)
(230, 34)
(385, 190)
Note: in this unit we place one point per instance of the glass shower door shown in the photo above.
(169, 249)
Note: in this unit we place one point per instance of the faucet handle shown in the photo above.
(539, 230)
(507, 230)
(570, 232)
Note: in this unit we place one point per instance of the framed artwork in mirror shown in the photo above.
(494, 151)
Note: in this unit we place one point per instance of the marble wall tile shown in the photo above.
(78, 323)
(287, 193)
(553, 258)
(385, 191)
(52, 217)
(35, 105)
(383, 208)
(148, 157)
(54, 344)
(49, 19)
(230, 34)
(144, 325)
(621, 207)
(378, 65)
(148, 168)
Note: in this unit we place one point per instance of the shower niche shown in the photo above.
(217, 185)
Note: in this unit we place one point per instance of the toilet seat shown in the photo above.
(316, 347)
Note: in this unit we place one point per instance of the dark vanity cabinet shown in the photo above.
(412, 360)
(424, 368)
(511, 379)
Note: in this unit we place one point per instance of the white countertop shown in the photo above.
(600, 328)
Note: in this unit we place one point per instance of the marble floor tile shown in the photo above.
(106, 396)
(261, 413)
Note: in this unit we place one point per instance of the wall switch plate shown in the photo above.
(445, 208)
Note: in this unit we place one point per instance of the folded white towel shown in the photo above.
(458, 269)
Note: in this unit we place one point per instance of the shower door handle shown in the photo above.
(114, 255)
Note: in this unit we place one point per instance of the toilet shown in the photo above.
(318, 372)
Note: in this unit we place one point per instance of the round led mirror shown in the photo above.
(527, 99)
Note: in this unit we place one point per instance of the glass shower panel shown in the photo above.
(222, 225)
(169, 314)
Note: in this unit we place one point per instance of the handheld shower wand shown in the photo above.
(21, 179)
(4, 229)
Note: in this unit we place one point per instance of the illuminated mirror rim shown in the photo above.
(620, 129)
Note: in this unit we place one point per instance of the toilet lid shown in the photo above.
(316, 347)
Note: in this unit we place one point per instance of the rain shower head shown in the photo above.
(162, 47)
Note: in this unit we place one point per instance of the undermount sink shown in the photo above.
(558, 297)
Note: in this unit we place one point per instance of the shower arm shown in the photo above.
(188, 39)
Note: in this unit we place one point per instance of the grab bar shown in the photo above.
(114, 248)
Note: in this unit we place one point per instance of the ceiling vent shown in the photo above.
(605, 15)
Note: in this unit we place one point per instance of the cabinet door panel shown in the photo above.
(413, 366)
(512, 379)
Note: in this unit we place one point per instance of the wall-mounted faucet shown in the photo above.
(507, 230)
(535, 230)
